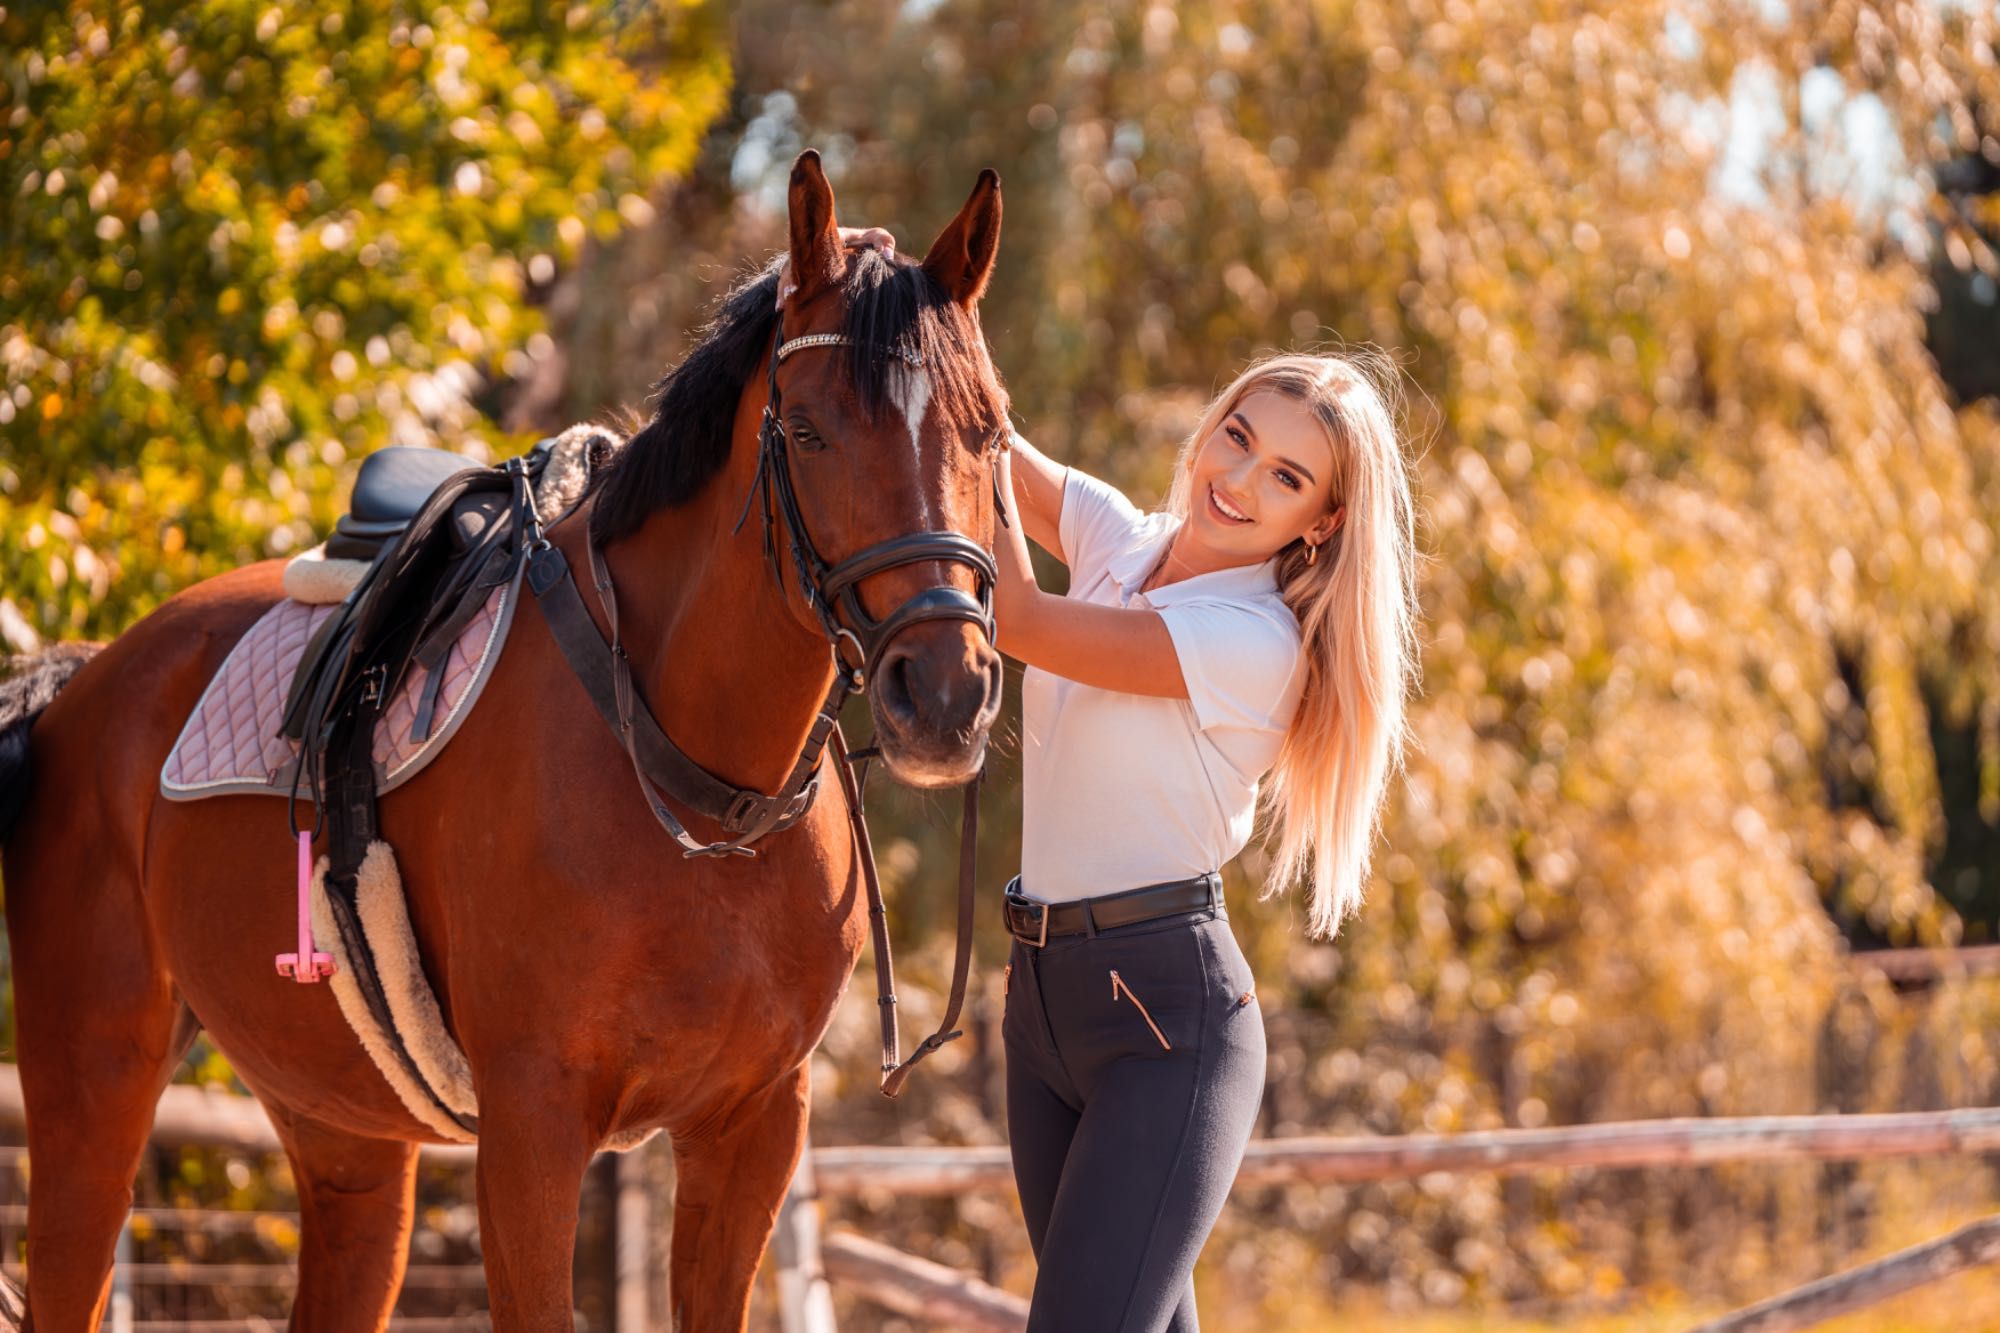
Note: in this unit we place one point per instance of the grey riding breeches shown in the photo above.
(1135, 1066)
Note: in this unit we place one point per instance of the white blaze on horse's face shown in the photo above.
(910, 389)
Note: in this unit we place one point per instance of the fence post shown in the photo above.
(805, 1303)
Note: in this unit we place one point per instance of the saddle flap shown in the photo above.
(473, 517)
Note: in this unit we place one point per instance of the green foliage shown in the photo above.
(244, 241)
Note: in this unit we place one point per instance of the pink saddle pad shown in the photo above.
(231, 743)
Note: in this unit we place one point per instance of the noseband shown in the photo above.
(832, 589)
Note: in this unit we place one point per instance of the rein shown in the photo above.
(830, 590)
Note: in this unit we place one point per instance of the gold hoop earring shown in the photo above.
(1312, 553)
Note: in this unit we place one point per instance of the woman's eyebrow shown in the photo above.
(1251, 431)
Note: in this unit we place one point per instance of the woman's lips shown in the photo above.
(1215, 506)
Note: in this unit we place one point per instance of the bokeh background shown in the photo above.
(1696, 309)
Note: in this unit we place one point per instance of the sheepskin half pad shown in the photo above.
(231, 742)
(413, 1006)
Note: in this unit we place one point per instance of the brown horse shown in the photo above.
(599, 982)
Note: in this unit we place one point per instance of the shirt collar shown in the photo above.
(1129, 567)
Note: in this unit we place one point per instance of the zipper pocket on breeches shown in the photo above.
(1119, 983)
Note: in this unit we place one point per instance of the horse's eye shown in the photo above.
(805, 437)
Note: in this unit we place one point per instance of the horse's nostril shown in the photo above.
(897, 697)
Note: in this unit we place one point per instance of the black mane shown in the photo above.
(894, 308)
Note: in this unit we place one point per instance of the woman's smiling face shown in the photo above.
(1263, 478)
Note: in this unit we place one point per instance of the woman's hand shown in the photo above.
(1010, 543)
(1016, 595)
(868, 238)
(854, 238)
(1038, 495)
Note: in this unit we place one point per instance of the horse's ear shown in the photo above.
(961, 258)
(815, 234)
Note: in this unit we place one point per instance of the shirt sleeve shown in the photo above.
(1096, 523)
(1244, 665)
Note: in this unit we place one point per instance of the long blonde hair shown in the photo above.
(1357, 610)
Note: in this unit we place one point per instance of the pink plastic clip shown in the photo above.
(318, 964)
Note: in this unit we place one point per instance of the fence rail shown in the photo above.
(1333, 1160)
(1970, 1246)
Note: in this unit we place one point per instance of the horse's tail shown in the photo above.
(27, 686)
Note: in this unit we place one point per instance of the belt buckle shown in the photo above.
(1042, 938)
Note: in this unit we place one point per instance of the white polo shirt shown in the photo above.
(1122, 790)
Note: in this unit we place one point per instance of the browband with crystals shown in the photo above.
(805, 340)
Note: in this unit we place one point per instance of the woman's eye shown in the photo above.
(1238, 436)
(1288, 479)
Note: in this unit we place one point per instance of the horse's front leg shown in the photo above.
(729, 1184)
(535, 1142)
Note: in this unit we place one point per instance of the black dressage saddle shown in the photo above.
(440, 532)
(390, 488)
(435, 528)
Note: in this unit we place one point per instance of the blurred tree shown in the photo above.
(243, 242)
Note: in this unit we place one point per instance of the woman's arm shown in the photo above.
(1038, 496)
(1111, 647)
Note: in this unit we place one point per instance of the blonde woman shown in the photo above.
(1254, 637)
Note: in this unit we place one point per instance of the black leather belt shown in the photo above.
(1034, 922)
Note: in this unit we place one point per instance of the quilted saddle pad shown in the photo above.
(231, 743)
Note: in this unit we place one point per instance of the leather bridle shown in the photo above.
(830, 590)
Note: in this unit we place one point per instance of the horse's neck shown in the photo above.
(730, 674)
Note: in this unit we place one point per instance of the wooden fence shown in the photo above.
(808, 1262)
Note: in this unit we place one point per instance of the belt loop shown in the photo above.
(1089, 920)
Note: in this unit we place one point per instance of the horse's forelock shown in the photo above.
(896, 309)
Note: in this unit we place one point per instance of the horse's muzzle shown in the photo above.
(935, 694)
